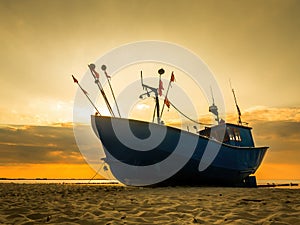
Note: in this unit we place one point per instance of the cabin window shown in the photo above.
(205, 132)
(237, 135)
(226, 137)
(230, 134)
(234, 134)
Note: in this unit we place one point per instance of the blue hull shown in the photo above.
(231, 165)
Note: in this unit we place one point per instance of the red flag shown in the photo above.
(107, 75)
(92, 68)
(74, 79)
(167, 102)
(85, 92)
(160, 88)
(96, 74)
(172, 77)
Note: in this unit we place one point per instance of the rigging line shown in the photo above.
(97, 172)
(206, 124)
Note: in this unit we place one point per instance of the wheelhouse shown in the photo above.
(231, 134)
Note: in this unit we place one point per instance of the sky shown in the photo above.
(256, 44)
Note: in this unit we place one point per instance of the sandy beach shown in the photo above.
(116, 204)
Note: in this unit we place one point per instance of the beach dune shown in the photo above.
(117, 204)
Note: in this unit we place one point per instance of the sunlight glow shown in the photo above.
(142, 106)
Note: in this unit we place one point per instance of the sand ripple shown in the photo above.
(99, 204)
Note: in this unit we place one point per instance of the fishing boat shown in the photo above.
(142, 153)
(236, 160)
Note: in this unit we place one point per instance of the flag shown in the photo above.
(167, 102)
(172, 77)
(84, 91)
(94, 72)
(107, 75)
(160, 88)
(74, 79)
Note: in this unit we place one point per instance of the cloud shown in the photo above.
(278, 128)
(262, 113)
(283, 138)
(37, 111)
(38, 144)
(55, 144)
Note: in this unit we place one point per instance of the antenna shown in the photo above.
(149, 90)
(213, 108)
(142, 80)
(237, 107)
(212, 95)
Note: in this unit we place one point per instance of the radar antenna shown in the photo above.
(213, 108)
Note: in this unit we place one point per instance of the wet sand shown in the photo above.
(115, 204)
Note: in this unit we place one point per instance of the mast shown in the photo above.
(237, 107)
(160, 88)
(150, 89)
(166, 96)
(157, 108)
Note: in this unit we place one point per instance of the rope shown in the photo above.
(205, 124)
(101, 166)
(189, 118)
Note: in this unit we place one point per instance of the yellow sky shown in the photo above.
(255, 43)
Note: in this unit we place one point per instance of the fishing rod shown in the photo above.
(103, 67)
(95, 74)
(86, 94)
